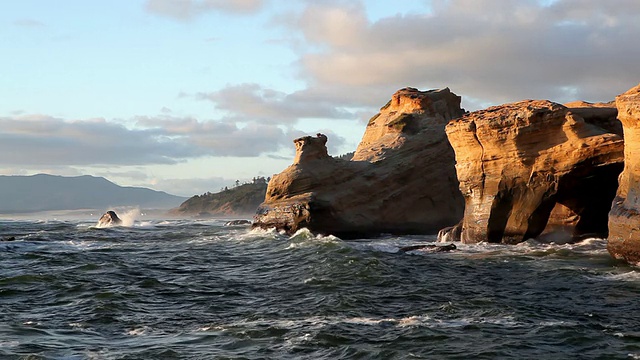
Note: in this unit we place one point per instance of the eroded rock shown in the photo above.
(624, 218)
(400, 180)
(531, 168)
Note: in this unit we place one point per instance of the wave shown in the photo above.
(304, 238)
(319, 322)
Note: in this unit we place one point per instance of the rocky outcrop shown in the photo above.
(239, 222)
(241, 200)
(624, 218)
(533, 168)
(109, 218)
(401, 178)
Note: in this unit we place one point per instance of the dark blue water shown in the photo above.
(199, 290)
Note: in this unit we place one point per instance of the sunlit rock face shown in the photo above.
(533, 168)
(400, 180)
(624, 218)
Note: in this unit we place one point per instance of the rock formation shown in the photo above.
(604, 115)
(239, 222)
(532, 168)
(242, 200)
(624, 218)
(400, 180)
(108, 219)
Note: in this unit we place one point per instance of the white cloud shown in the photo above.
(28, 23)
(41, 141)
(48, 141)
(191, 187)
(252, 102)
(188, 9)
(493, 51)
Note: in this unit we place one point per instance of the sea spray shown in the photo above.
(129, 217)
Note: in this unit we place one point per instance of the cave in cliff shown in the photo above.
(534, 169)
(577, 209)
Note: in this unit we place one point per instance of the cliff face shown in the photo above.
(624, 232)
(400, 180)
(533, 167)
(409, 112)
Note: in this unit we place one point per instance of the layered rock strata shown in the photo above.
(400, 180)
(532, 168)
(624, 218)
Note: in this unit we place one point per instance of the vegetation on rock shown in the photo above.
(242, 199)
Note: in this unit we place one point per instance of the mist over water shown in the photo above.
(185, 289)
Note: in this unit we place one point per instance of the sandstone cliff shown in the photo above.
(624, 218)
(400, 180)
(533, 167)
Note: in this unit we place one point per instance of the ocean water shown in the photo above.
(196, 289)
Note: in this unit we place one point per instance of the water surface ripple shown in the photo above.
(189, 289)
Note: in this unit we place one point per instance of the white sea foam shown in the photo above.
(138, 331)
(129, 217)
(259, 234)
(305, 238)
(317, 322)
(9, 344)
(631, 276)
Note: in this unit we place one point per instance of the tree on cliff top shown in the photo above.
(241, 200)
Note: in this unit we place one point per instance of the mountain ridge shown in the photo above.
(43, 192)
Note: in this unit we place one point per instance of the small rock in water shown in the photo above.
(109, 218)
(9, 238)
(429, 247)
(237, 222)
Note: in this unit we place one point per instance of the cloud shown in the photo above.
(136, 175)
(195, 186)
(43, 140)
(252, 102)
(28, 23)
(493, 51)
(185, 10)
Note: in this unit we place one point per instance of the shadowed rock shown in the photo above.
(237, 222)
(429, 248)
(624, 218)
(533, 168)
(604, 115)
(401, 178)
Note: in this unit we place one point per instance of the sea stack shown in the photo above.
(401, 179)
(624, 218)
(533, 168)
(109, 218)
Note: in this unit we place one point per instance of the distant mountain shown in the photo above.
(19, 194)
(240, 200)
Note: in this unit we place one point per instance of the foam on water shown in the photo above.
(193, 289)
(304, 238)
(422, 320)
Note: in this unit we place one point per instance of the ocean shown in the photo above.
(197, 289)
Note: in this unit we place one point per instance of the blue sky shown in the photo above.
(186, 96)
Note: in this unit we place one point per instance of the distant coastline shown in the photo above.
(43, 192)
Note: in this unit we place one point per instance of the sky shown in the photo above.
(188, 96)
